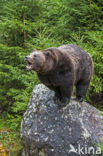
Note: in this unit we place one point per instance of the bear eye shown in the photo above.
(34, 55)
(47, 53)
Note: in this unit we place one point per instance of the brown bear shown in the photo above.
(61, 68)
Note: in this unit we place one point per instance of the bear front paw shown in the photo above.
(61, 102)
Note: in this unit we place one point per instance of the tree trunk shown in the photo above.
(23, 18)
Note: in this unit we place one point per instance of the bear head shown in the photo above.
(41, 60)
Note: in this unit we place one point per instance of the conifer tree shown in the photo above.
(28, 24)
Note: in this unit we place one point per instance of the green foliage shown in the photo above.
(41, 24)
(10, 141)
(15, 83)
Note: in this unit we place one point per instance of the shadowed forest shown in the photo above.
(29, 24)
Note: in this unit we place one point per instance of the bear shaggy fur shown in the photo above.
(61, 68)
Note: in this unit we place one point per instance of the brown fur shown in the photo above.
(61, 68)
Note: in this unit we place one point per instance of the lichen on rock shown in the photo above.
(47, 130)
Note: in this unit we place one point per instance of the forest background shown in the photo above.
(28, 24)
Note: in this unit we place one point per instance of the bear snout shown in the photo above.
(26, 58)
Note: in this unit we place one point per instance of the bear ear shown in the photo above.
(34, 49)
(47, 53)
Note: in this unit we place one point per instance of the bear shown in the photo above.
(62, 68)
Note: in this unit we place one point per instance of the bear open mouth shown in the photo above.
(29, 65)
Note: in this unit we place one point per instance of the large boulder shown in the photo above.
(47, 130)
